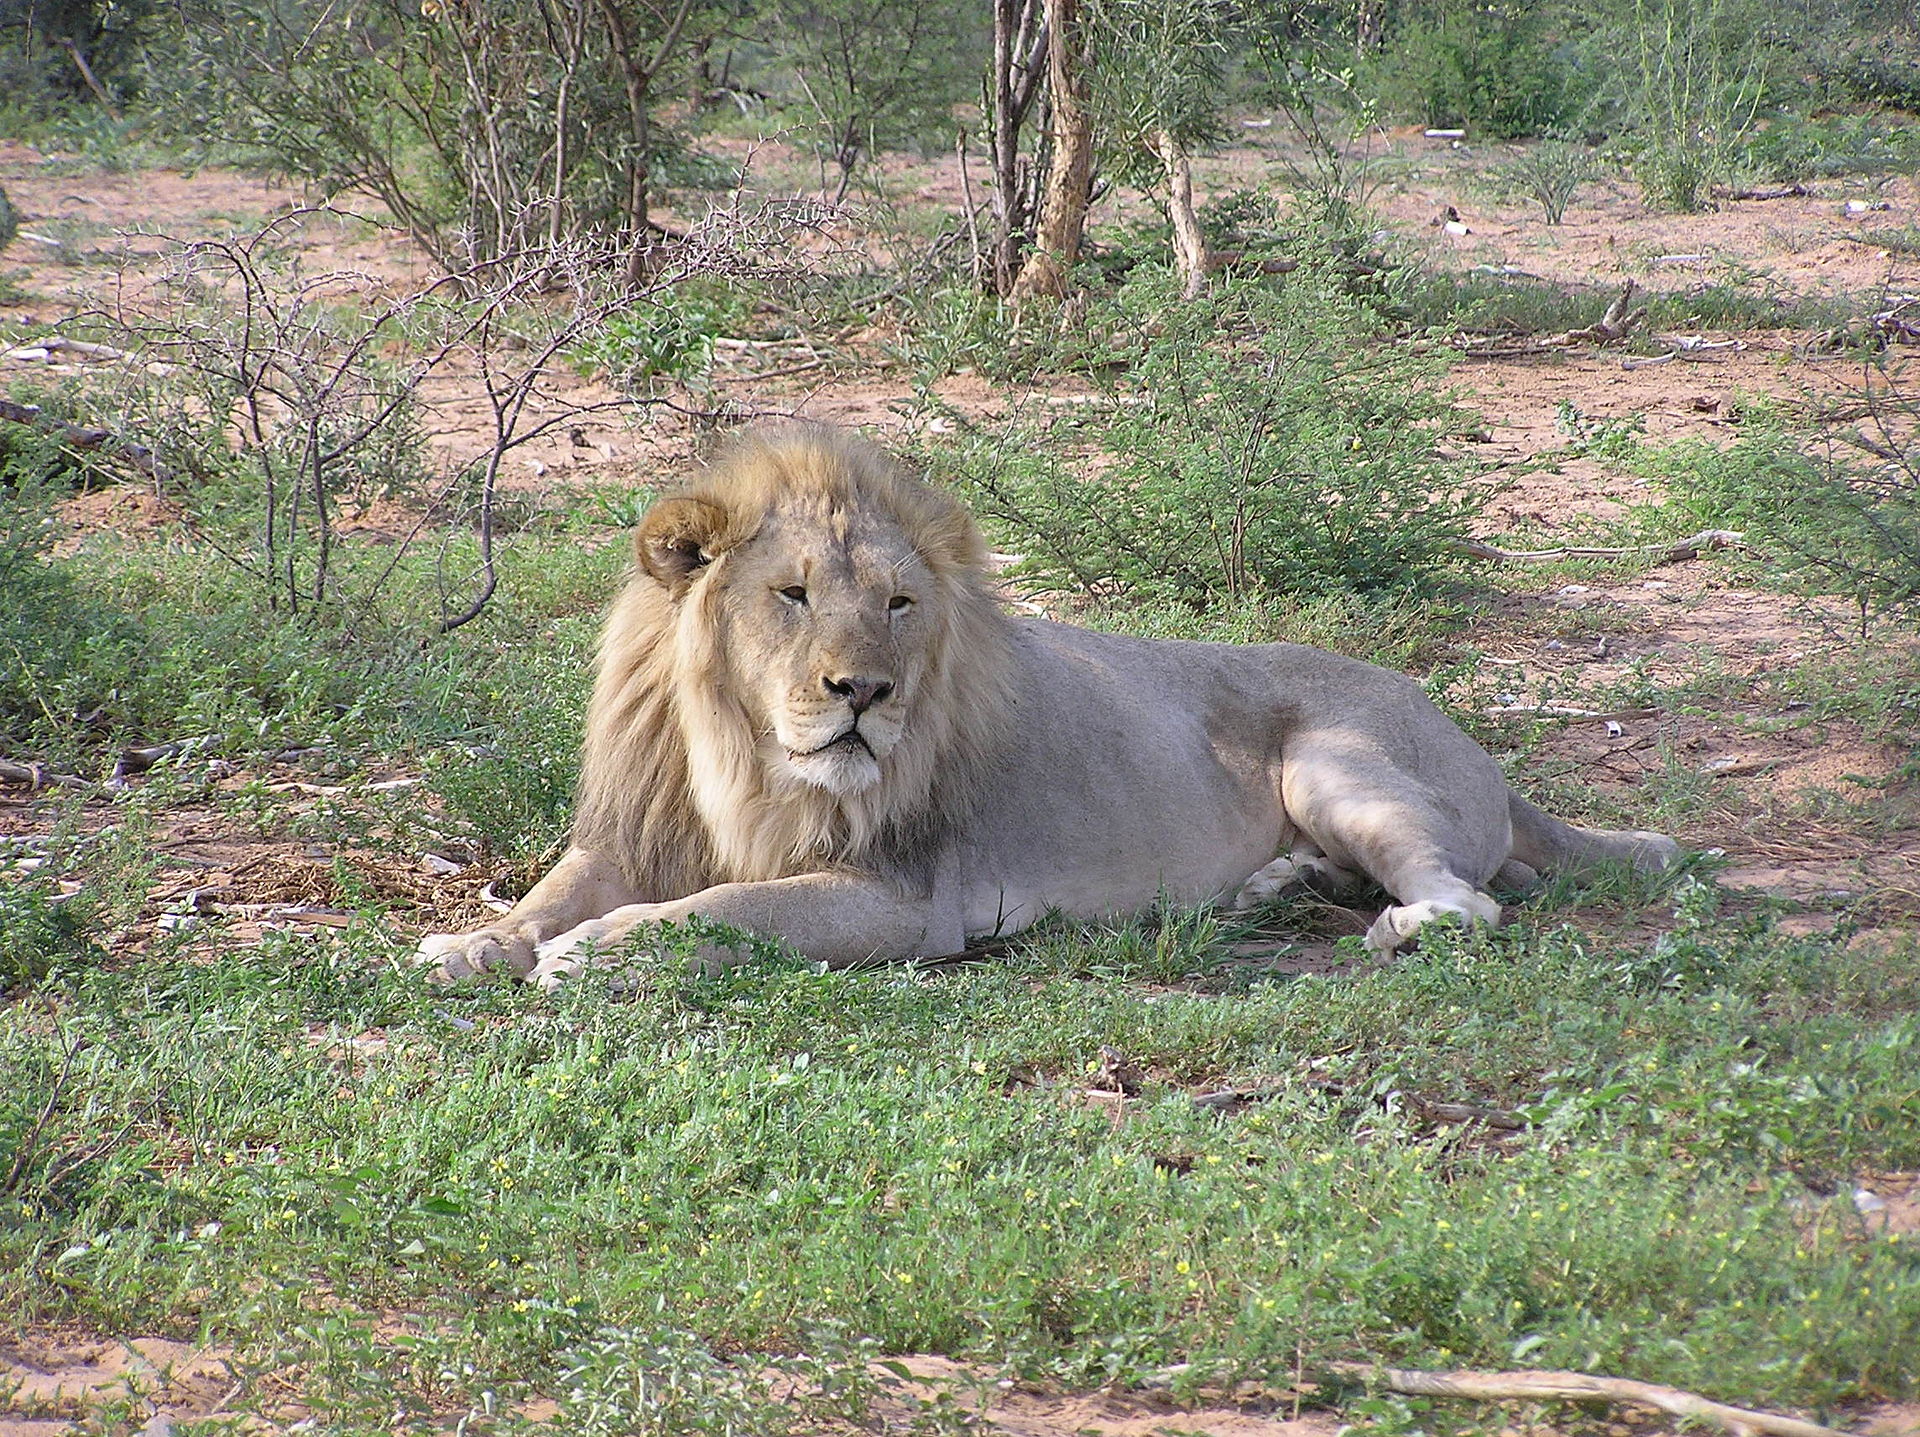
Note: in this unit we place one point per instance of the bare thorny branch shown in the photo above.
(268, 375)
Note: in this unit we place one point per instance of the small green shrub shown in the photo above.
(1493, 69)
(1549, 174)
(670, 337)
(1254, 445)
(955, 329)
(515, 797)
(1797, 147)
(1877, 67)
(38, 931)
(46, 627)
(1828, 519)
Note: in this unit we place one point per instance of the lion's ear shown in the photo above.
(678, 538)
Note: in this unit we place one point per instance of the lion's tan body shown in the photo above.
(812, 721)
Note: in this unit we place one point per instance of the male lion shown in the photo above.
(813, 722)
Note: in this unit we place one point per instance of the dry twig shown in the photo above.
(1581, 1387)
(1672, 552)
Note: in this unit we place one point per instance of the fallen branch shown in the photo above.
(1871, 446)
(81, 437)
(1580, 1387)
(35, 350)
(1562, 711)
(1465, 1113)
(1239, 262)
(1780, 192)
(139, 760)
(1615, 325)
(35, 776)
(1672, 552)
(1690, 347)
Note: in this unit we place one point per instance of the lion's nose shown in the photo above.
(861, 694)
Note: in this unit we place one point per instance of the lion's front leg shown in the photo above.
(581, 886)
(834, 918)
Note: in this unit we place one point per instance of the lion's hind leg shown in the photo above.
(1428, 882)
(1432, 835)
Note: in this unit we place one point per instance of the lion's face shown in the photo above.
(822, 621)
(826, 630)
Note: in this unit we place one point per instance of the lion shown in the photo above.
(813, 722)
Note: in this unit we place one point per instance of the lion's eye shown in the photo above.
(899, 602)
(795, 593)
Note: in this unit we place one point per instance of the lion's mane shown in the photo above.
(674, 780)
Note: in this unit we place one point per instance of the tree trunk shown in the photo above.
(1019, 33)
(1369, 24)
(1063, 207)
(1190, 253)
(637, 76)
(637, 83)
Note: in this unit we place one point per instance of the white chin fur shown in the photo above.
(839, 773)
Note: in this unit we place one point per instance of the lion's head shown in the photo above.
(807, 668)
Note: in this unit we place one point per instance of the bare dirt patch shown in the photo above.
(1025, 1411)
(1805, 244)
(49, 1382)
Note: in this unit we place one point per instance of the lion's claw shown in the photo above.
(550, 975)
(459, 957)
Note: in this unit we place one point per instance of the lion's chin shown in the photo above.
(842, 770)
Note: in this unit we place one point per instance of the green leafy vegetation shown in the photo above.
(1498, 70)
(1834, 516)
(1254, 445)
(747, 1161)
(671, 337)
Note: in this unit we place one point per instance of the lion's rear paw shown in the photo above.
(1400, 925)
(1286, 877)
(552, 973)
(457, 957)
(1278, 877)
(567, 955)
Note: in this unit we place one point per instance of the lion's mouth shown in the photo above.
(850, 739)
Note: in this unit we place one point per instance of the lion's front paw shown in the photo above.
(457, 957)
(565, 955)
(551, 974)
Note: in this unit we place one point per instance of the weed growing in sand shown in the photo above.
(1549, 173)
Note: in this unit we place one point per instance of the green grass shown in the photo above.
(502, 1197)
(904, 1157)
